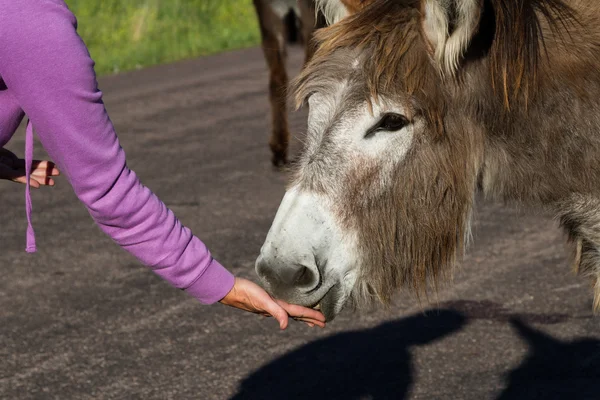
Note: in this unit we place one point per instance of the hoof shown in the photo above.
(279, 159)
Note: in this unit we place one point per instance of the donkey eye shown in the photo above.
(390, 122)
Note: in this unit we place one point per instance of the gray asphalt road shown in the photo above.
(82, 319)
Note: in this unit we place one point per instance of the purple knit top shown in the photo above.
(47, 74)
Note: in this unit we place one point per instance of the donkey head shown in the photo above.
(383, 191)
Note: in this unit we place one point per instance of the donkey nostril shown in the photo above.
(304, 276)
(281, 275)
(263, 270)
(296, 275)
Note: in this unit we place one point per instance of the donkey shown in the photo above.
(282, 22)
(414, 106)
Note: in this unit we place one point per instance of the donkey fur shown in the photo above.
(512, 107)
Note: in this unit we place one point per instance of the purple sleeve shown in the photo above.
(11, 115)
(48, 69)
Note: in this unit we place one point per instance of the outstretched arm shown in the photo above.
(48, 69)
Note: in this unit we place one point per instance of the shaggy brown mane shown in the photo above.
(388, 34)
(518, 45)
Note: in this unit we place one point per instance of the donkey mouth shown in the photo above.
(331, 303)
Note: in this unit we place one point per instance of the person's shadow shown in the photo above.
(373, 363)
(554, 369)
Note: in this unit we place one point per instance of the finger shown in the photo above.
(296, 310)
(311, 322)
(45, 167)
(37, 182)
(51, 169)
(42, 173)
(18, 178)
(38, 167)
(314, 322)
(43, 180)
(22, 179)
(18, 175)
(278, 313)
(32, 182)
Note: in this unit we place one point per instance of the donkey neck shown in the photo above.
(545, 147)
(545, 152)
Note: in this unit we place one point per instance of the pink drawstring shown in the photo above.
(31, 247)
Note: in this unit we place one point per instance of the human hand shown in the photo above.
(12, 168)
(248, 296)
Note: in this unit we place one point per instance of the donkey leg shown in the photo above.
(588, 264)
(280, 136)
(310, 21)
(580, 217)
(273, 45)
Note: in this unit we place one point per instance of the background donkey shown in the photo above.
(414, 106)
(282, 22)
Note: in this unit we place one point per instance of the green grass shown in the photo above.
(127, 34)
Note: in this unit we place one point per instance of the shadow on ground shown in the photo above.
(554, 369)
(376, 363)
(373, 362)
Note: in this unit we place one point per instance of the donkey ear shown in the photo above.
(336, 10)
(449, 26)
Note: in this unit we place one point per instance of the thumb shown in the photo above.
(278, 313)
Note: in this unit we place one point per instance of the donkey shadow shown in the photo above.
(373, 363)
(554, 369)
(376, 363)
